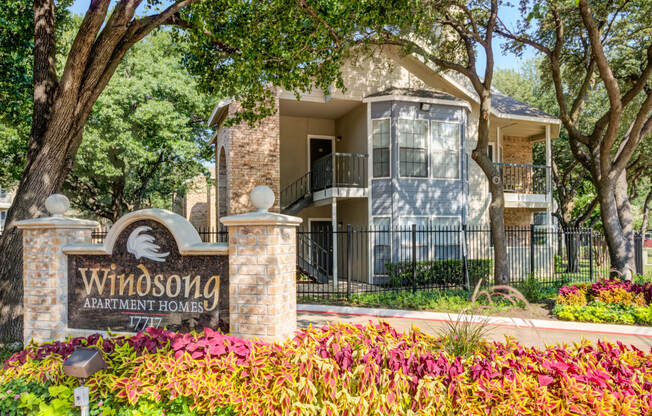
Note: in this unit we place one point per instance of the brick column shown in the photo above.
(45, 272)
(262, 271)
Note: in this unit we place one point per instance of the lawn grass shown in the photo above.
(449, 300)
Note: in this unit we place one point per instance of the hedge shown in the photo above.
(445, 273)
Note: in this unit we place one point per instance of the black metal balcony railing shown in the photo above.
(524, 179)
(339, 170)
(295, 191)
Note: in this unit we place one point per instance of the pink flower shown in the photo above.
(99, 404)
(16, 397)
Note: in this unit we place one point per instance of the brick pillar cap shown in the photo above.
(57, 222)
(261, 218)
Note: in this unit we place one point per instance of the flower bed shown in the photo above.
(612, 301)
(339, 369)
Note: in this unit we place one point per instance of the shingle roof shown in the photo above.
(508, 105)
(500, 101)
(410, 92)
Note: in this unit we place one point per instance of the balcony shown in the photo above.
(337, 175)
(526, 186)
(339, 170)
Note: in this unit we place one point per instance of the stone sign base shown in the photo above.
(152, 259)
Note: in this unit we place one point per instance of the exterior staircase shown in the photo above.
(313, 260)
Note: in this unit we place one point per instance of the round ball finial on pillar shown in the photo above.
(57, 205)
(262, 198)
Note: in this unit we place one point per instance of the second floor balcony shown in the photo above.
(525, 186)
(336, 175)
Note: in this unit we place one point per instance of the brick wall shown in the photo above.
(518, 217)
(517, 150)
(199, 206)
(45, 282)
(252, 158)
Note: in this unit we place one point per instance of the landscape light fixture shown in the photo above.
(81, 364)
(425, 106)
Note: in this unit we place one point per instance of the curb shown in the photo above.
(542, 324)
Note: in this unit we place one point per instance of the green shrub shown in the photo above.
(438, 272)
(531, 289)
(599, 312)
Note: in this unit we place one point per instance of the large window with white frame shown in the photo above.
(381, 147)
(382, 244)
(445, 150)
(421, 237)
(445, 239)
(413, 148)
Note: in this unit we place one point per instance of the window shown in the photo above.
(405, 224)
(382, 244)
(381, 143)
(446, 238)
(539, 218)
(445, 150)
(412, 142)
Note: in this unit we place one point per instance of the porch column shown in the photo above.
(548, 178)
(499, 145)
(334, 225)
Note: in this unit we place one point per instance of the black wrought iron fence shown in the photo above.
(375, 259)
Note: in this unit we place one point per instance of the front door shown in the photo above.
(321, 233)
(321, 173)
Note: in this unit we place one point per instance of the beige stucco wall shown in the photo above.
(352, 127)
(353, 211)
(294, 144)
(322, 212)
(479, 197)
(374, 72)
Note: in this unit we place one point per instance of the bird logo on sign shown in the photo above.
(142, 245)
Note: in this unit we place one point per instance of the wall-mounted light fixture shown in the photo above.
(338, 138)
(425, 106)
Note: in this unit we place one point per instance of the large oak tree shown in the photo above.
(599, 48)
(63, 100)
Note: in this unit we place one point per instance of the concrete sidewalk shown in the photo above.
(527, 332)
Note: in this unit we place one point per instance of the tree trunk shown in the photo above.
(646, 213)
(45, 171)
(497, 218)
(572, 250)
(619, 237)
(497, 205)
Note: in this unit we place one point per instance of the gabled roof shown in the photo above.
(502, 105)
(508, 105)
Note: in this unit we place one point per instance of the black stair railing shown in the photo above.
(312, 259)
(296, 191)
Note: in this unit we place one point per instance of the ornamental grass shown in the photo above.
(344, 369)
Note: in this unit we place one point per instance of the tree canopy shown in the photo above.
(146, 135)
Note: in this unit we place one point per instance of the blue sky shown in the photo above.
(508, 15)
